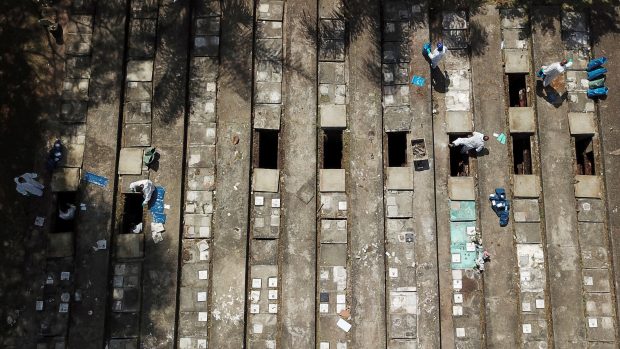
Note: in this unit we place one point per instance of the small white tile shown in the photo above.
(470, 247)
(458, 298)
(393, 272)
(340, 307)
(592, 322)
(275, 203)
(201, 296)
(457, 310)
(39, 305)
(203, 316)
(341, 299)
(342, 205)
(273, 294)
(273, 308)
(588, 281)
(324, 345)
(460, 332)
(254, 308)
(259, 201)
(257, 328)
(263, 8)
(457, 284)
(273, 282)
(526, 306)
(457, 274)
(257, 283)
(254, 296)
(323, 308)
(65, 275)
(341, 345)
(63, 308)
(456, 258)
(527, 328)
(540, 304)
(203, 274)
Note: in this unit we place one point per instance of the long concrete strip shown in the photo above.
(160, 268)
(232, 176)
(365, 185)
(558, 192)
(88, 317)
(298, 140)
(493, 172)
(604, 18)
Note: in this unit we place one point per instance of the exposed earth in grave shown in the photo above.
(309, 174)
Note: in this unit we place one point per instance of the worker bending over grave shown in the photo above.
(475, 141)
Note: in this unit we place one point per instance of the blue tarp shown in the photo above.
(595, 74)
(157, 209)
(95, 179)
(597, 92)
(597, 62)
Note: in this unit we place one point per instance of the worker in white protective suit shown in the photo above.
(475, 141)
(28, 185)
(437, 55)
(549, 72)
(144, 186)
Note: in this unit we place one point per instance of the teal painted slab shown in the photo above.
(462, 211)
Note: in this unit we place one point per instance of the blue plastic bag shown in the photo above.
(597, 92)
(595, 74)
(597, 62)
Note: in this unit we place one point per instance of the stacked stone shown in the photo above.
(263, 286)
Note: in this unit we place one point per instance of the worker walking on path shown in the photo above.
(435, 56)
(549, 72)
(475, 141)
(27, 185)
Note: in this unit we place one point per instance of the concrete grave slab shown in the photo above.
(197, 226)
(79, 24)
(592, 234)
(574, 21)
(587, 186)
(200, 179)
(596, 280)
(516, 61)
(198, 342)
(397, 118)
(138, 91)
(457, 100)
(534, 328)
(137, 135)
(139, 70)
(403, 344)
(73, 111)
(526, 210)
(74, 155)
(142, 36)
(331, 28)
(395, 73)
(59, 245)
(268, 49)
(576, 80)
(454, 20)
(600, 328)
(581, 123)
(78, 44)
(578, 102)
(266, 180)
(331, 72)
(459, 122)
(206, 45)
(124, 325)
(460, 79)
(515, 38)
(457, 60)
(399, 204)
(77, 67)
(521, 120)
(399, 178)
(144, 8)
(201, 156)
(137, 113)
(334, 205)
(129, 245)
(202, 134)
(396, 95)
(207, 26)
(192, 299)
(461, 188)
(528, 233)
(580, 57)
(333, 116)
(396, 30)
(526, 186)
(331, 50)
(269, 71)
(192, 323)
(332, 180)
(576, 40)
(202, 109)
(396, 52)
(396, 10)
(268, 93)
(269, 29)
(333, 254)
(599, 304)
(403, 325)
(334, 231)
(195, 251)
(594, 257)
(271, 10)
(204, 68)
(514, 18)
(455, 39)
(208, 8)
(264, 251)
(130, 161)
(591, 210)
(124, 343)
(75, 89)
(65, 179)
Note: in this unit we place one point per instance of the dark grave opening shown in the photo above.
(522, 153)
(63, 200)
(584, 152)
(397, 149)
(332, 149)
(133, 212)
(268, 149)
(517, 90)
(459, 161)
